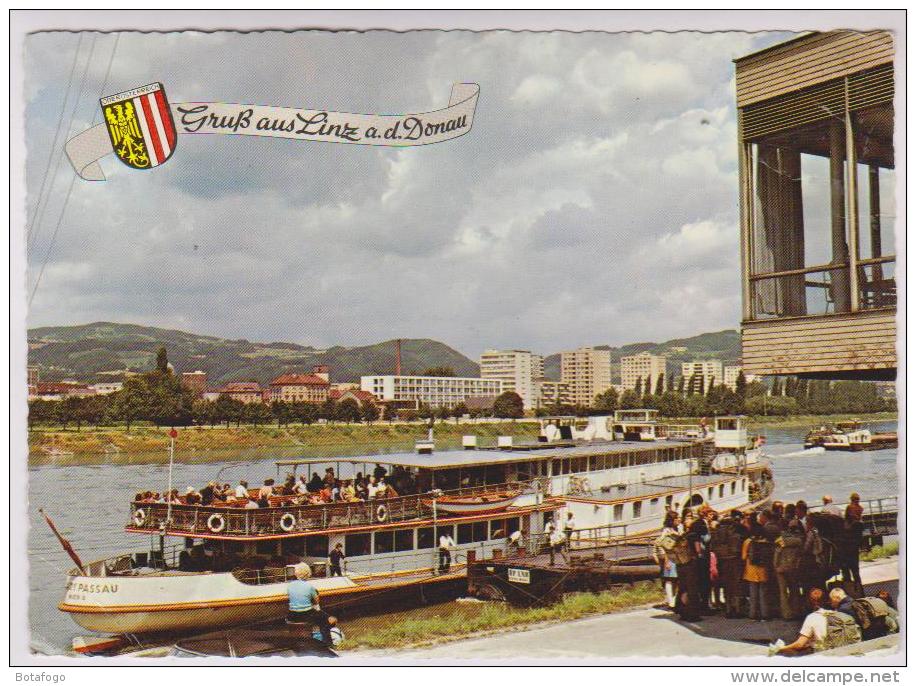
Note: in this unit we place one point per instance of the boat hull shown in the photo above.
(127, 610)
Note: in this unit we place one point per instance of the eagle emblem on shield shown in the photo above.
(140, 126)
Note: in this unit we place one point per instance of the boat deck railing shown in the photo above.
(285, 517)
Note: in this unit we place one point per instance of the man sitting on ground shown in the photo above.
(875, 617)
(822, 629)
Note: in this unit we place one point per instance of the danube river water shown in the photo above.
(88, 499)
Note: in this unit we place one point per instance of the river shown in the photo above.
(88, 500)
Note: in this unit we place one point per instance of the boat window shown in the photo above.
(709, 493)
(668, 499)
(403, 540)
(721, 490)
(498, 529)
(444, 531)
(637, 509)
(564, 465)
(618, 512)
(357, 544)
(653, 504)
(513, 524)
(425, 538)
(384, 542)
(295, 546)
(555, 468)
(465, 533)
(733, 487)
(480, 532)
(316, 546)
(728, 424)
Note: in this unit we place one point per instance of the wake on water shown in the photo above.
(802, 453)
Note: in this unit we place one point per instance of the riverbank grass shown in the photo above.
(879, 552)
(461, 620)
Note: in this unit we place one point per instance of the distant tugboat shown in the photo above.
(850, 436)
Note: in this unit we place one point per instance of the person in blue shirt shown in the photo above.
(304, 607)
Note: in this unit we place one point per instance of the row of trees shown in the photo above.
(781, 397)
(131, 407)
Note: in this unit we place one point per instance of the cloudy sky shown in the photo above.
(594, 200)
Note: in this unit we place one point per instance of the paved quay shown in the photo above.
(647, 632)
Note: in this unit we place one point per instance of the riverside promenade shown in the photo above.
(646, 632)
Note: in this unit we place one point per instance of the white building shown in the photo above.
(730, 374)
(518, 370)
(435, 391)
(637, 367)
(106, 387)
(699, 374)
(549, 392)
(586, 373)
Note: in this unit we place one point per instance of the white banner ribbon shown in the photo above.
(397, 130)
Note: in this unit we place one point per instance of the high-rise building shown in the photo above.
(586, 373)
(517, 369)
(636, 368)
(730, 374)
(699, 374)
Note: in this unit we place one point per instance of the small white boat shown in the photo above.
(475, 504)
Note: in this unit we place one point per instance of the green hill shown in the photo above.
(95, 352)
(92, 352)
(724, 345)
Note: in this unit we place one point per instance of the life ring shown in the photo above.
(288, 522)
(139, 517)
(381, 513)
(216, 523)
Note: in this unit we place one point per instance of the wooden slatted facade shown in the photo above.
(857, 345)
(828, 95)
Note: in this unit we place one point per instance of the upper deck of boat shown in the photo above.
(449, 459)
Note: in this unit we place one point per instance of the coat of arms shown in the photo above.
(140, 126)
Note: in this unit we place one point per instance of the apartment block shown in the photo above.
(586, 373)
(634, 368)
(518, 370)
(699, 374)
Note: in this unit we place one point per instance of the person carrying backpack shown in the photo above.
(726, 542)
(685, 553)
(823, 629)
(873, 615)
(667, 567)
(787, 563)
(756, 552)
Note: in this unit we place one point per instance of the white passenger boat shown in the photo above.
(231, 564)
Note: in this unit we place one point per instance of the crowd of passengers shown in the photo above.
(302, 491)
(774, 563)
